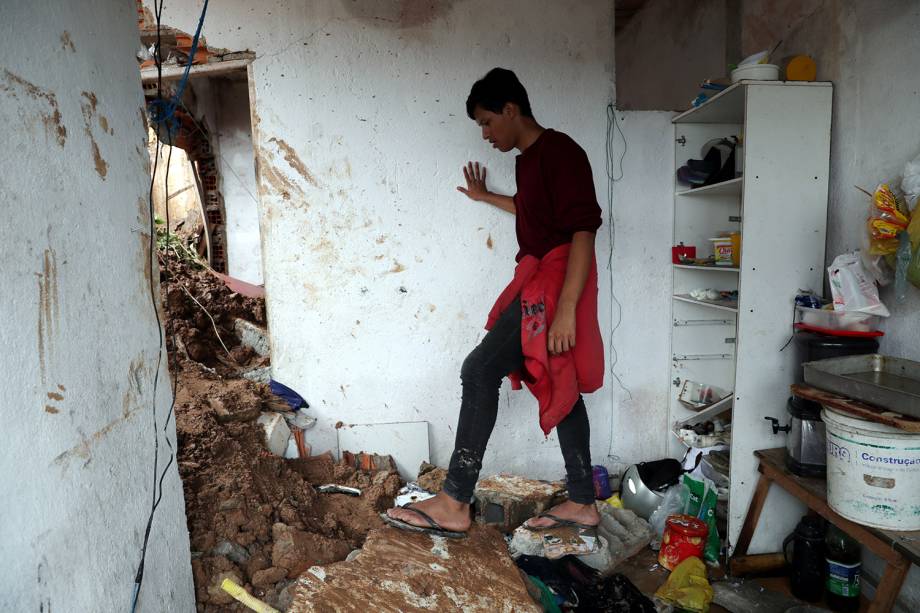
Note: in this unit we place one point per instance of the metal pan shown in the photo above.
(887, 382)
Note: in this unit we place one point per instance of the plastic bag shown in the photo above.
(687, 587)
(700, 502)
(900, 273)
(887, 218)
(671, 504)
(852, 288)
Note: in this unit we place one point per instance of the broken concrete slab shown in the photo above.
(402, 571)
(252, 336)
(277, 433)
(507, 501)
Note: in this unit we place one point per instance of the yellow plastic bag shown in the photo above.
(687, 587)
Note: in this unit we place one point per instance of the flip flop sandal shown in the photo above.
(434, 528)
(559, 523)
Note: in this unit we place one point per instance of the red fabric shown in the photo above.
(555, 380)
(555, 194)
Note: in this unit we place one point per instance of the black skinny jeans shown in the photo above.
(498, 355)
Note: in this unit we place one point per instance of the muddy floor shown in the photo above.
(252, 516)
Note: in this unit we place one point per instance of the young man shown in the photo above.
(554, 285)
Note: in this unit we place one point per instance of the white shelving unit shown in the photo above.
(779, 205)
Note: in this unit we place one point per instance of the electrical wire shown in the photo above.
(615, 173)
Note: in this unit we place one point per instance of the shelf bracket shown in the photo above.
(702, 356)
(682, 140)
(679, 323)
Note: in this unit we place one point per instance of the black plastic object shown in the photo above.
(823, 346)
(808, 558)
(804, 409)
(660, 474)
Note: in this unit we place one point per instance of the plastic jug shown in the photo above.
(808, 558)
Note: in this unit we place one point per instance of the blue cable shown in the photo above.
(163, 111)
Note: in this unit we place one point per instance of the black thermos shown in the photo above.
(807, 564)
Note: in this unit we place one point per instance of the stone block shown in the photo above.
(507, 501)
(277, 432)
(252, 336)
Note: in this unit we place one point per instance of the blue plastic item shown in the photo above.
(288, 395)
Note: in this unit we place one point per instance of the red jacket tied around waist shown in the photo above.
(555, 380)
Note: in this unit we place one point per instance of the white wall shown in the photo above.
(79, 332)
(379, 273)
(643, 214)
(238, 179)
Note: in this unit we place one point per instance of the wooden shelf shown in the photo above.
(732, 187)
(712, 304)
(712, 268)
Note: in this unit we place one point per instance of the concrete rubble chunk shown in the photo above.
(431, 477)
(296, 550)
(268, 577)
(259, 375)
(252, 336)
(621, 535)
(277, 432)
(232, 552)
(507, 501)
(407, 571)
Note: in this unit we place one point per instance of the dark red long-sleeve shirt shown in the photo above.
(555, 194)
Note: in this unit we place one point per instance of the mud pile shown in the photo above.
(252, 516)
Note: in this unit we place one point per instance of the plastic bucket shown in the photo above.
(873, 472)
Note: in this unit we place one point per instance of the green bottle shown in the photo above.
(844, 561)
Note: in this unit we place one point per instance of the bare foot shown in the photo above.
(582, 513)
(450, 514)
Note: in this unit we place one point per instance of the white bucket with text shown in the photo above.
(873, 472)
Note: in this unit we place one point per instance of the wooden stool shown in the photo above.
(898, 549)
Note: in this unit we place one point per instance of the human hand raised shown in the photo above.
(475, 176)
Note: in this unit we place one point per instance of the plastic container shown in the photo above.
(873, 472)
(682, 252)
(816, 347)
(602, 489)
(723, 251)
(736, 248)
(684, 537)
(844, 567)
(756, 72)
(827, 319)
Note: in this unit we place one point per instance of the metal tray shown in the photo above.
(890, 383)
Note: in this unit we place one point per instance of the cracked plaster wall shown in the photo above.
(79, 334)
(379, 274)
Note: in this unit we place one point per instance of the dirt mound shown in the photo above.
(253, 517)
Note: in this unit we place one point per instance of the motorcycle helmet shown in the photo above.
(643, 485)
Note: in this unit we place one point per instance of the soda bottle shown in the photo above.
(844, 561)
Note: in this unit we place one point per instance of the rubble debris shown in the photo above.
(507, 501)
(369, 461)
(431, 477)
(411, 493)
(277, 432)
(253, 518)
(400, 571)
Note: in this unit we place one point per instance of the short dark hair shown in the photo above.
(499, 87)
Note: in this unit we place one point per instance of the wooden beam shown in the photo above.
(753, 514)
